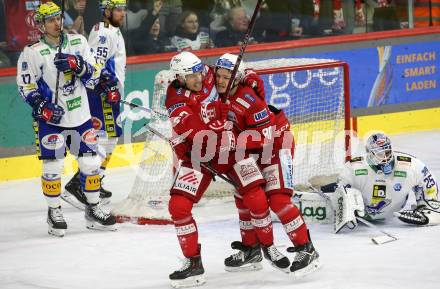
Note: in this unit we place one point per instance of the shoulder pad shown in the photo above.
(403, 159)
(357, 159)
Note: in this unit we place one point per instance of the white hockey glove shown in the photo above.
(426, 214)
(347, 204)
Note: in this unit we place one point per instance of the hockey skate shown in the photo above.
(248, 258)
(73, 193)
(190, 275)
(305, 261)
(56, 222)
(276, 258)
(97, 219)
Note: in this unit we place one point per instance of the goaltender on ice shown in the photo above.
(377, 186)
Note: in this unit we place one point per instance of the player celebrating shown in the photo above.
(273, 141)
(66, 119)
(109, 48)
(382, 179)
(192, 106)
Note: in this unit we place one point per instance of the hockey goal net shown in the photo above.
(314, 95)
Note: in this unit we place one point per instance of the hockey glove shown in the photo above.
(252, 79)
(76, 63)
(426, 214)
(47, 111)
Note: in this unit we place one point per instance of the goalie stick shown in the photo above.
(378, 240)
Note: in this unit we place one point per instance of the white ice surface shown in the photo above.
(143, 256)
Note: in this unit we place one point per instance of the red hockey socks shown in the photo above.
(186, 228)
(248, 234)
(255, 199)
(290, 217)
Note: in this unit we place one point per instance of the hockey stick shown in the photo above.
(60, 46)
(133, 105)
(378, 240)
(205, 165)
(242, 48)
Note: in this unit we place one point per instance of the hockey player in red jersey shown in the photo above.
(265, 131)
(193, 109)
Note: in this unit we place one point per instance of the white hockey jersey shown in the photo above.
(36, 71)
(108, 46)
(385, 194)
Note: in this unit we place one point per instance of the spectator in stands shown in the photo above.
(137, 11)
(147, 39)
(75, 9)
(236, 26)
(218, 15)
(385, 16)
(169, 15)
(189, 35)
(201, 8)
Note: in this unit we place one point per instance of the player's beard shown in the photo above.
(116, 23)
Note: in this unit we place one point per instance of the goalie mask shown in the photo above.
(379, 152)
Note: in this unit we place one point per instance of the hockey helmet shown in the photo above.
(185, 63)
(227, 61)
(110, 4)
(380, 153)
(46, 11)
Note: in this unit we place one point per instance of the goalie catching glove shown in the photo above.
(426, 214)
(347, 204)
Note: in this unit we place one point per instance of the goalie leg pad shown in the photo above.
(347, 203)
(290, 217)
(180, 208)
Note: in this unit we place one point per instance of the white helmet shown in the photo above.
(185, 63)
(227, 61)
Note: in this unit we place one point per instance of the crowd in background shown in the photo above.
(155, 26)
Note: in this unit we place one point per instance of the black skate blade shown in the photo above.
(192, 281)
(71, 200)
(245, 268)
(96, 226)
(56, 232)
(312, 267)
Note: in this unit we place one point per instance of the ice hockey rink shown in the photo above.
(143, 256)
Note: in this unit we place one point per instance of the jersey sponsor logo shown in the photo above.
(175, 106)
(263, 114)
(51, 188)
(379, 192)
(262, 223)
(401, 174)
(272, 176)
(53, 141)
(361, 172)
(45, 52)
(397, 187)
(293, 225)
(357, 159)
(75, 41)
(243, 102)
(89, 137)
(73, 103)
(249, 97)
(92, 183)
(24, 66)
(187, 93)
(102, 39)
(96, 123)
(188, 180)
(403, 159)
(377, 208)
(179, 91)
(247, 171)
(185, 230)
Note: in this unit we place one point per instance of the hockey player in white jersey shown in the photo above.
(108, 46)
(64, 120)
(379, 183)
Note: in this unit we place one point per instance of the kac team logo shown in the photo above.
(53, 141)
